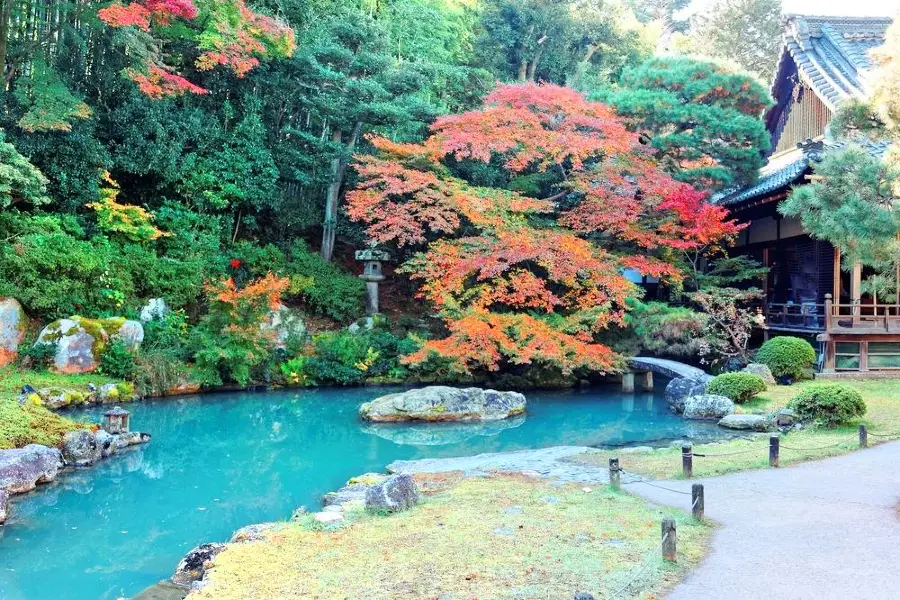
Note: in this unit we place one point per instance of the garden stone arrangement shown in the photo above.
(440, 403)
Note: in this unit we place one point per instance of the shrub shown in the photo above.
(323, 287)
(295, 372)
(787, 356)
(739, 387)
(169, 335)
(39, 355)
(230, 341)
(158, 371)
(667, 330)
(829, 404)
(117, 361)
(348, 358)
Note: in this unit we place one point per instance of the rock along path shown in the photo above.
(822, 530)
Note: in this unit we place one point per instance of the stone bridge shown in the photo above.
(645, 367)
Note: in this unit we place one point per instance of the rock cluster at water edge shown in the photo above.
(708, 406)
(441, 403)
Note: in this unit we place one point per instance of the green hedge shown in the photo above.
(787, 356)
(739, 387)
(829, 404)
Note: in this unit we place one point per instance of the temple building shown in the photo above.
(808, 291)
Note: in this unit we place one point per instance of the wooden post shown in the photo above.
(668, 539)
(614, 478)
(687, 461)
(829, 312)
(856, 291)
(697, 501)
(773, 450)
(863, 437)
(628, 382)
(646, 381)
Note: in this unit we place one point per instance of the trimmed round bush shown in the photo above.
(787, 356)
(829, 404)
(738, 387)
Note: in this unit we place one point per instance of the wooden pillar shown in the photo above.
(645, 381)
(856, 289)
(836, 291)
(628, 382)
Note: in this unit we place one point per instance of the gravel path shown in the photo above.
(818, 531)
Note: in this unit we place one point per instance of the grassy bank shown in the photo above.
(497, 537)
(883, 420)
(23, 425)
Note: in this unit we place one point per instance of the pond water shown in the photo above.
(219, 462)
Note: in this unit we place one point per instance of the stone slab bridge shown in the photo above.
(644, 367)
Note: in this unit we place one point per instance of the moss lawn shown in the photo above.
(504, 536)
(882, 419)
(23, 425)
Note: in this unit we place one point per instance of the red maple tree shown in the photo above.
(520, 279)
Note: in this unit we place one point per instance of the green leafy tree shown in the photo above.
(704, 118)
(854, 206)
(747, 32)
(559, 41)
(663, 14)
(20, 181)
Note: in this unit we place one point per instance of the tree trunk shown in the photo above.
(332, 198)
(523, 71)
(574, 78)
(5, 11)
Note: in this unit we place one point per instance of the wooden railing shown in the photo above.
(861, 318)
(808, 316)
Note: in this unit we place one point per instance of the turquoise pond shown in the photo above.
(219, 462)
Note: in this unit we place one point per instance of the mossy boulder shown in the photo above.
(12, 329)
(55, 398)
(441, 403)
(80, 342)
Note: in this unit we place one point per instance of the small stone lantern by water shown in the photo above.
(116, 421)
(372, 275)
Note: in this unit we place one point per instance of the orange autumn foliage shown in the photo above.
(520, 279)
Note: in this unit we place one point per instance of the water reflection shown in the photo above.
(439, 434)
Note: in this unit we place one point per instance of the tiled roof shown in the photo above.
(832, 58)
(787, 168)
(832, 53)
(779, 172)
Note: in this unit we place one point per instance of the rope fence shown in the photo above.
(775, 448)
(668, 540)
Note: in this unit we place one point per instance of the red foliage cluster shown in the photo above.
(142, 14)
(517, 278)
(238, 43)
(159, 83)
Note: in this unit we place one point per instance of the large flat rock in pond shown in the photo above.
(440, 404)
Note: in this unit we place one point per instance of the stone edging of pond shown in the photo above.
(23, 469)
(546, 463)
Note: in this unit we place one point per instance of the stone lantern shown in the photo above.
(116, 421)
(372, 275)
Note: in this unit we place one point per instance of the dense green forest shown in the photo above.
(154, 147)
